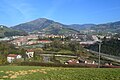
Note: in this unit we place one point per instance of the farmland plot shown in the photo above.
(55, 73)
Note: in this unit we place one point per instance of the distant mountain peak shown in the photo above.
(41, 19)
(44, 25)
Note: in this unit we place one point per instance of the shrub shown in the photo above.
(56, 65)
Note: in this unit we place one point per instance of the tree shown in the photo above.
(75, 46)
(3, 59)
(111, 47)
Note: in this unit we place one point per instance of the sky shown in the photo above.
(13, 12)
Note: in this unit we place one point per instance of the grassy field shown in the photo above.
(54, 73)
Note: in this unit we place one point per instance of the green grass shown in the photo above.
(54, 73)
(65, 51)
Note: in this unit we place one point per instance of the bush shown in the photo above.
(57, 65)
(110, 66)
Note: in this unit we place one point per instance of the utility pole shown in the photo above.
(99, 54)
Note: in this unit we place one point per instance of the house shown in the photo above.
(19, 41)
(55, 36)
(32, 37)
(108, 64)
(32, 42)
(45, 41)
(23, 40)
(89, 62)
(12, 57)
(72, 61)
(87, 42)
(30, 53)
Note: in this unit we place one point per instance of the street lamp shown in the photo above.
(99, 43)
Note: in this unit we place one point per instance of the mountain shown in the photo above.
(7, 32)
(81, 26)
(113, 27)
(45, 25)
(52, 27)
(108, 27)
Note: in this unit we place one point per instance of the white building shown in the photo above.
(30, 53)
(89, 62)
(12, 57)
(88, 42)
(95, 38)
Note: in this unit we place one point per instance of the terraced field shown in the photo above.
(55, 73)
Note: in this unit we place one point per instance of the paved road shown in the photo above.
(58, 55)
(109, 57)
(46, 57)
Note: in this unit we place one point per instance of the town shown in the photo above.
(50, 48)
(59, 40)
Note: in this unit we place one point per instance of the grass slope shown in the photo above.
(7, 32)
(52, 73)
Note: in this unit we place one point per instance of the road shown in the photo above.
(58, 55)
(46, 57)
(106, 56)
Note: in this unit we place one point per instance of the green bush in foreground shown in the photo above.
(55, 73)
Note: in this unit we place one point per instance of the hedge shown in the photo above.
(57, 65)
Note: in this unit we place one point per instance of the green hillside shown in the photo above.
(111, 47)
(6, 32)
(108, 27)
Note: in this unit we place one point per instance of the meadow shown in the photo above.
(57, 73)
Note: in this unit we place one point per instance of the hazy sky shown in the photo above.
(13, 12)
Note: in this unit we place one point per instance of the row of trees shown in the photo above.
(73, 46)
(14, 33)
(56, 38)
(7, 48)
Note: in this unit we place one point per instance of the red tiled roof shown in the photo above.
(12, 55)
(73, 61)
(29, 50)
